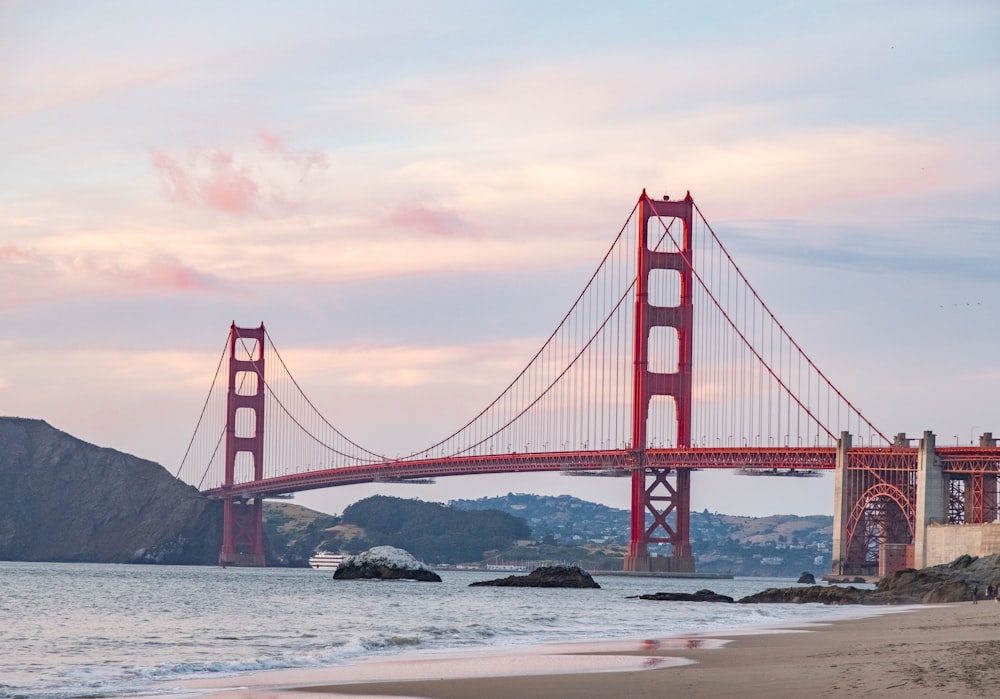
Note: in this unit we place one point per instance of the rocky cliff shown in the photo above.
(62, 499)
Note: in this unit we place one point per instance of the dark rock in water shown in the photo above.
(699, 596)
(384, 563)
(822, 594)
(806, 578)
(552, 576)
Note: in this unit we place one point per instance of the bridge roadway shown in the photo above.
(616, 462)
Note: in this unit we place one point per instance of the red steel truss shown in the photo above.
(880, 490)
(974, 479)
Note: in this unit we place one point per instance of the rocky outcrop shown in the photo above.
(822, 594)
(550, 576)
(63, 499)
(806, 578)
(848, 580)
(699, 596)
(384, 563)
(950, 582)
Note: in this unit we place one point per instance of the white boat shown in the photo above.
(324, 560)
(506, 568)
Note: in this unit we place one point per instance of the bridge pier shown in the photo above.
(659, 564)
(842, 504)
(242, 532)
(660, 500)
(932, 497)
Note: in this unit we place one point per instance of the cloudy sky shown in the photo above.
(402, 191)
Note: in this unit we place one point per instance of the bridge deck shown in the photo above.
(758, 460)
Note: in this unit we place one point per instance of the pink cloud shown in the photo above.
(177, 184)
(16, 253)
(436, 222)
(229, 186)
(305, 160)
(162, 273)
(212, 179)
(29, 277)
(237, 183)
(271, 141)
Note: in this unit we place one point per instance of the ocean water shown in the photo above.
(85, 630)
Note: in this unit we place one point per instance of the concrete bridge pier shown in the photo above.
(842, 502)
(932, 497)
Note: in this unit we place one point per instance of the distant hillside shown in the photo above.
(778, 545)
(563, 519)
(62, 499)
(294, 532)
(430, 531)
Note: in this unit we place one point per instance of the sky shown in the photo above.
(428, 184)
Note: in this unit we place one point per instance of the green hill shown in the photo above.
(432, 532)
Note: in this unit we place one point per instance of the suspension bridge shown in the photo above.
(667, 363)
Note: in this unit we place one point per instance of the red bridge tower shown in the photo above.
(658, 496)
(242, 515)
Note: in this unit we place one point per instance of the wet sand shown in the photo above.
(904, 652)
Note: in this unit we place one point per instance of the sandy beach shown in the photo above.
(903, 652)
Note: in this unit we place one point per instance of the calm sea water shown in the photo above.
(80, 630)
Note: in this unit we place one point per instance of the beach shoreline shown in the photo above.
(920, 651)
